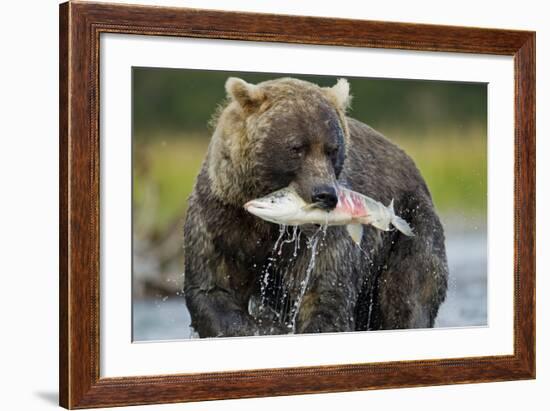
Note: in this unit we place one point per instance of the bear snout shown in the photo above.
(324, 196)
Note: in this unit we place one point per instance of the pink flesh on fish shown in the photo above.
(351, 203)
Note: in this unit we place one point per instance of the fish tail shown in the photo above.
(402, 226)
(400, 223)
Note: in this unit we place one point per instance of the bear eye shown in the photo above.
(298, 149)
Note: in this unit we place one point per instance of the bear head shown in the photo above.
(278, 133)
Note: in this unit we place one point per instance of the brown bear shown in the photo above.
(245, 276)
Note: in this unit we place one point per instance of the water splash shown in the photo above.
(282, 232)
(290, 240)
(288, 307)
(297, 242)
(312, 245)
(265, 281)
(267, 268)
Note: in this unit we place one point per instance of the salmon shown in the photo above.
(353, 210)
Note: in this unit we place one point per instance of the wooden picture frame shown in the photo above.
(80, 27)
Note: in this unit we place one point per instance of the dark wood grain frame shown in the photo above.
(79, 379)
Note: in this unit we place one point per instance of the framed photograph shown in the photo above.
(259, 205)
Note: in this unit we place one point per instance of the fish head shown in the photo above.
(280, 207)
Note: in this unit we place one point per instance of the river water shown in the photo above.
(167, 318)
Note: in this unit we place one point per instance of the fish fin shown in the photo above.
(367, 219)
(400, 223)
(402, 226)
(383, 226)
(356, 232)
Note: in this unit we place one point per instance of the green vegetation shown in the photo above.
(454, 166)
(172, 164)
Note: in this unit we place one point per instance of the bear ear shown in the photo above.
(339, 94)
(249, 96)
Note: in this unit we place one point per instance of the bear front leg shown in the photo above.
(216, 313)
(329, 301)
(216, 293)
(322, 313)
(327, 307)
(414, 282)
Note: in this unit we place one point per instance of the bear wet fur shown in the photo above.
(291, 132)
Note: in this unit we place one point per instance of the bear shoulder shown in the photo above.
(391, 171)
